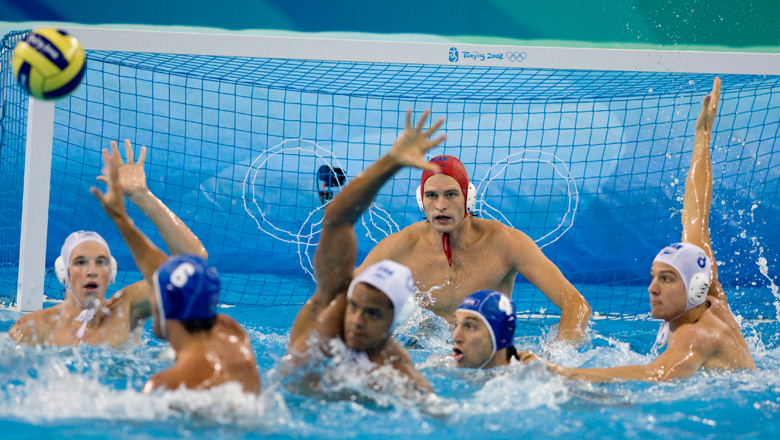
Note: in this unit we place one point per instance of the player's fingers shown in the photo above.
(436, 141)
(96, 192)
(114, 151)
(421, 122)
(432, 167)
(129, 151)
(715, 92)
(434, 127)
(142, 156)
(705, 103)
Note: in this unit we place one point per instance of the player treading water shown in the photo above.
(211, 349)
(484, 330)
(453, 254)
(685, 291)
(86, 269)
(362, 310)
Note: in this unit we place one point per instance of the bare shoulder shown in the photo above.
(400, 360)
(501, 235)
(397, 356)
(35, 327)
(179, 374)
(131, 294)
(495, 228)
(701, 336)
(402, 240)
(230, 325)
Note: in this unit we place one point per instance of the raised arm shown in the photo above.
(545, 275)
(132, 178)
(334, 259)
(147, 256)
(698, 185)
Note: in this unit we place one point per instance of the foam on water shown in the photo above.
(96, 390)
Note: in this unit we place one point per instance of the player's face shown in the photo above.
(471, 343)
(667, 292)
(367, 319)
(444, 203)
(89, 271)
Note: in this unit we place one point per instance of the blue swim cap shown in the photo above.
(186, 288)
(496, 311)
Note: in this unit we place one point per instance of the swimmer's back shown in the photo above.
(220, 355)
(231, 345)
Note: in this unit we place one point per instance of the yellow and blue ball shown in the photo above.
(49, 63)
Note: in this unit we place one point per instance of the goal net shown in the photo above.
(586, 151)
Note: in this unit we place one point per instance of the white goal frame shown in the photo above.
(40, 124)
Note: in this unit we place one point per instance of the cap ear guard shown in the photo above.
(62, 272)
(471, 198)
(698, 287)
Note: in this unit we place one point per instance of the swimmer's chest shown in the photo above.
(474, 270)
(111, 329)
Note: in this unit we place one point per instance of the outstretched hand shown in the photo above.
(410, 147)
(131, 175)
(709, 108)
(113, 200)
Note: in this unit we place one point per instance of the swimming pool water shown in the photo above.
(93, 392)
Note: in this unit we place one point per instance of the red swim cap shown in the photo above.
(451, 166)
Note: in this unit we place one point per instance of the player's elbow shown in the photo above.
(585, 311)
(577, 306)
(654, 376)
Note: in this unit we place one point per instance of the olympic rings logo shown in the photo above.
(516, 57)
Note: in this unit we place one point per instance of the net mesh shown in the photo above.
(590, 164)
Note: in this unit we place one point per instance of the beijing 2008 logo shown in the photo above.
(453, 55)
(516, 57)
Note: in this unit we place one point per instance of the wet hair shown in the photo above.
(198, 325)
(511, 352)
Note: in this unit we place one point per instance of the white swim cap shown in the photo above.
(694, 267)
(396, 282)
(73, 240)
